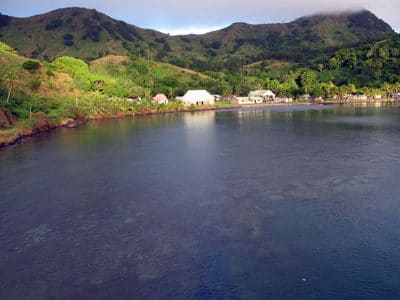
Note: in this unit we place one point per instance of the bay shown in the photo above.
(280, 202)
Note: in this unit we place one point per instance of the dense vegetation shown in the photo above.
(371, 68)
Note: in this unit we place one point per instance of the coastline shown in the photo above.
(47, 126)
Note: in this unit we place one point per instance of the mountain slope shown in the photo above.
(369, 65)
(301, 39)
(78, 32)
(88, 34)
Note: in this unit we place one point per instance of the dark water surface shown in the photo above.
(298, 202)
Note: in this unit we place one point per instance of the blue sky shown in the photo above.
(185, 16)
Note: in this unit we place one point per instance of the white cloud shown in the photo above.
(190, 30)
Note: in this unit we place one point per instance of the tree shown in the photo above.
(274, 85)
(333, 63)
(9, 78)
(384, 53)
(329, 89)
(308, 79)
(386, 89)
(397, 87)
(289, 87)
(31, 65)
(346, 58)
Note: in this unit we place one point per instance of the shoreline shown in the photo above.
(48, 126)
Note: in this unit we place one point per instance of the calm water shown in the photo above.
(271, 203)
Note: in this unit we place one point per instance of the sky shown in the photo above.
(200, 16)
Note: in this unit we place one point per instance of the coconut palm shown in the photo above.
(9, 78)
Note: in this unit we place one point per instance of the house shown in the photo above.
(260, 96)
(160, 99)
(197, 97)
(285, 100)
(217, 97)
(360, 97)
(242, 100)
(134, 99)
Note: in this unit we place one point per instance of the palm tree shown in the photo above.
(9, 78)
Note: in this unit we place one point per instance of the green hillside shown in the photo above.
(88, 34)
(302, 39)
(77, 32)
(365, 68)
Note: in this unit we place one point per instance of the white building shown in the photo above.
(216, 97)
(242, 100)
(197, 97)
(284, 100)
(260, 96)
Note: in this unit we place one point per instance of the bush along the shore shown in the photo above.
(92, 104)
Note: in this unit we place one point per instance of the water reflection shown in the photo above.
(199, 131)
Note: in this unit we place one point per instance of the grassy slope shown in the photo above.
(111, 69)
(27, 82)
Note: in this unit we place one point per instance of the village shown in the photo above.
(203, 97)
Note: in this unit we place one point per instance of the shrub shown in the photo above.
(93, 33)
(49, 72)
(4, 20)
(7, 48)
(4, 124)
(31, 65)
(215, 45)
(68, 37)
(35, 53)
(35, 83)
(160, 40)
(75, 67)
(54, 24)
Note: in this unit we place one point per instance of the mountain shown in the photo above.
(78, 32)
(301, 39)
(88, 34)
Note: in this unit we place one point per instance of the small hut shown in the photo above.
(160, 99)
